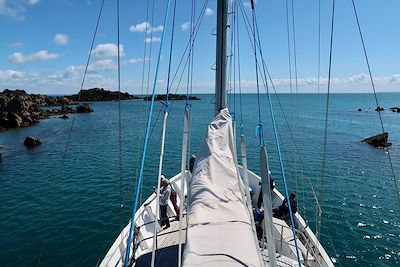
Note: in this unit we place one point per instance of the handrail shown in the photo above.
(311, 249)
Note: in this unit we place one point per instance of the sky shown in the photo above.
(45, 45)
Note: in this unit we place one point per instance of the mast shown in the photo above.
(220, 73)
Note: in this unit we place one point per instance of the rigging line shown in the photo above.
(177, 87)
(234, 59)
(259, 127)
(158, 192)
(239, 73)
(142, 104)
(333, 245)
(153, 254)
(318, 82)
(189, 54)
(192, 52)
(231, 72)
(119, 114)
(170, 51)
(289, 55)
(323, 172)
(265, 68)
(197, 26)
(297, 115)
(319, 48)
(376, 98)
(148, 30)
(139, 181)
(193, 17)
(70, 133)
(277, 141)
(138, 164)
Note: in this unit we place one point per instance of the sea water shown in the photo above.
(64, 202)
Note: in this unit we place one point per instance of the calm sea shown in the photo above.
(66, 208)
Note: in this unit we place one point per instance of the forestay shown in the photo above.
(219, 229)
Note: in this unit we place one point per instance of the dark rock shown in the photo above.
(31, 141)
(85, 108)
(14, 120)
(395, 109)
(379, 140)
(64, 117)
(99, 94)
(379, 109)
(19, 109)
(359, 109)
(171, 97)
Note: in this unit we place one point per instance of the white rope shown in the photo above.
(186, 120)
(265, 177)
(245, 177)
(153, 254)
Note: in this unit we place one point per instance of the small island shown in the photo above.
(99, 94)
(171, 97)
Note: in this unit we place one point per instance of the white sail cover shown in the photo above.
(219, 229)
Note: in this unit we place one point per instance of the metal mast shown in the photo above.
(220, 73)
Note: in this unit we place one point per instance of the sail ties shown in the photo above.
(166, 104)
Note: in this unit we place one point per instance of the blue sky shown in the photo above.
(45, 44)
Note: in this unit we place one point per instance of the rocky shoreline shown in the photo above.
(19, 109)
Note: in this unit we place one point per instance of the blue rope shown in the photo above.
(279, 152)
(146, 141)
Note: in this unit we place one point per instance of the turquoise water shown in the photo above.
(69, 216)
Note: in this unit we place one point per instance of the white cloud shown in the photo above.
(16, 9)
(103, 65)
(33, 2)
(137, 60)
(11, 74)
(71, 77)
(208, 12)
(108, 50)
(152, 40)
(16, 45)
(12, 9)
(38, 56)
(61, 39)
(145, 27)
(185, 26)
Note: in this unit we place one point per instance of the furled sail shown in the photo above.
(219, 229)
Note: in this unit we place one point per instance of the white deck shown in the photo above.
(312, 253)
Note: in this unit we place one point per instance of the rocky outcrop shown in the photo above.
(85, 108)
(395, 109)
(379, 140)
(19, 109)
(31, 141)
(359, 109)
(99, 94)
(171, 97)
(379, 109)
(64, 117)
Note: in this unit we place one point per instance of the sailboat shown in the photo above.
(218, 200)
